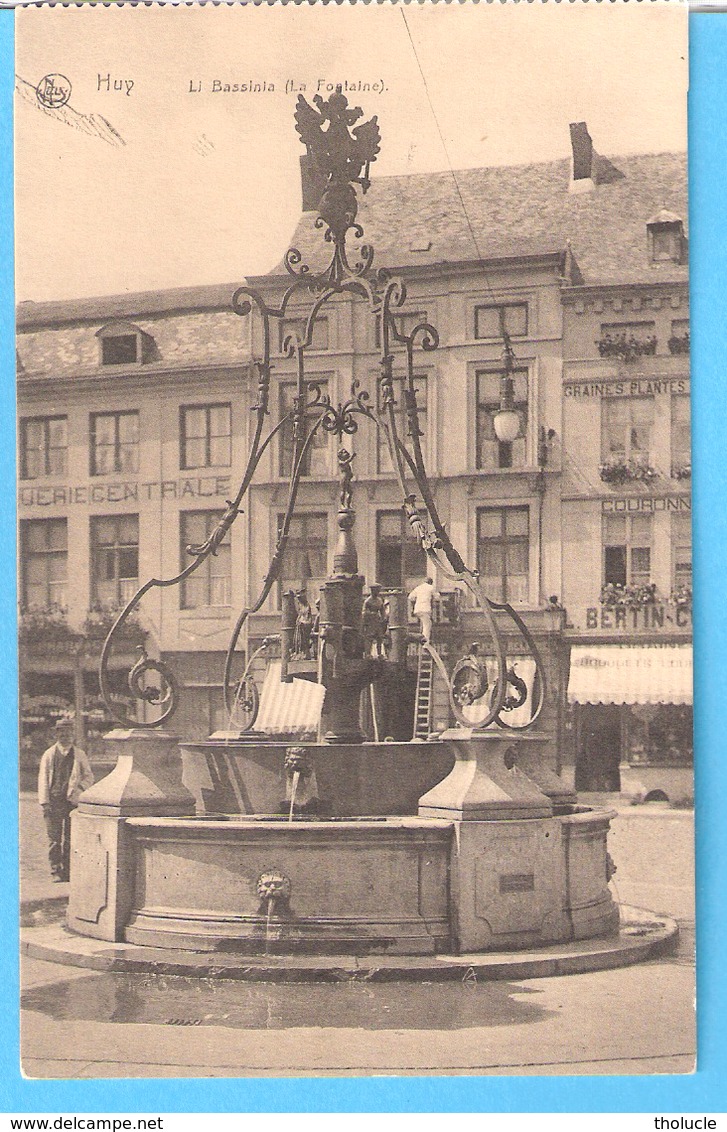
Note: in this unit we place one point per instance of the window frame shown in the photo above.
(118, 548)
(679, 540)
(115, 415)
(406, 538)
(304, 517)
(47, 448)
(206, 407)
(382, 448)
(645, 326)
(405, 321)
(293, 322)
(120, 329)
(43, 555)
(632, 543)
(672, 231)
(504, 542)
(608, 455)
(285, 437)
(205, 572)
(680, 457)
(505, 450)
(507, 304)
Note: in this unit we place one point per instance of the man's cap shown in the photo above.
(66, 721)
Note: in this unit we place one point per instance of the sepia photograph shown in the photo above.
(354, 542)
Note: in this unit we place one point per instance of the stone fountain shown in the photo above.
(339, 844)
(464, 843)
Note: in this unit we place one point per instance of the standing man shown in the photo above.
(64, 774)
(420, 604)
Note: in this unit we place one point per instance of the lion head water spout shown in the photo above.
(273, 889)
(299, 773)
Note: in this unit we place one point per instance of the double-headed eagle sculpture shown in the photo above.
(342, 154)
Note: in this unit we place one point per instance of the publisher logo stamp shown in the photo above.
(53, 91)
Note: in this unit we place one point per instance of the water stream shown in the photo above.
(293, 791)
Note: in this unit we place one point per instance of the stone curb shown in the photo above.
(643, 935)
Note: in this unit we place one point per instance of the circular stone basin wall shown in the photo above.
(406, 886)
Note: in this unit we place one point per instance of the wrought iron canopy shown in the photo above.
(342, 152)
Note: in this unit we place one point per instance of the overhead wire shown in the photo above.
(450, 166)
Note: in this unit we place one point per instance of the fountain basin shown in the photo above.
(353, 779)
(398, 886)
(587, 868)
(488, 863)
(367, 887)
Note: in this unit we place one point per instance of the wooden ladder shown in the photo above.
(423, 699)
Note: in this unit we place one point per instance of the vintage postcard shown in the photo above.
(355, 552)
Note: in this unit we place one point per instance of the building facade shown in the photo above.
(131, 434)
(626, 508)
(135, 411)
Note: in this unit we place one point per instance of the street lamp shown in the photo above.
(507, 419)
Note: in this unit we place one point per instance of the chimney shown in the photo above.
(583, 160)
(313, 183)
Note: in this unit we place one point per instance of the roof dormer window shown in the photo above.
(665, 233)
(123, 344)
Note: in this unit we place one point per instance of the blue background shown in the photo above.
(705, 1090)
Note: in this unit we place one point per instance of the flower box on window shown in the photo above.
(627, 347)
(49, 624)
(619, 472)
(681, 472)
(616, 596)
(679, 343)
(99, 621)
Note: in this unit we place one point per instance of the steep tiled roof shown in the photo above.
(133, 305)
(489, 214)
(475, 214)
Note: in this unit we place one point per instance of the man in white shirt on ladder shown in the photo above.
(421, 600)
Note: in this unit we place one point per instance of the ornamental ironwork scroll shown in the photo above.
(341, 149)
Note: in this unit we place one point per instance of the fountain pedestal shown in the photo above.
(147, 779)
(513, 861)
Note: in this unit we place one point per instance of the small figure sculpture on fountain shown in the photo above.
(375, 622)
(303, 626)
(345, 468)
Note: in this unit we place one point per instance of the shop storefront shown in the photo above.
(630, 716)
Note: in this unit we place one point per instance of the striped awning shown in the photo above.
(630, 674)
(293, 708)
